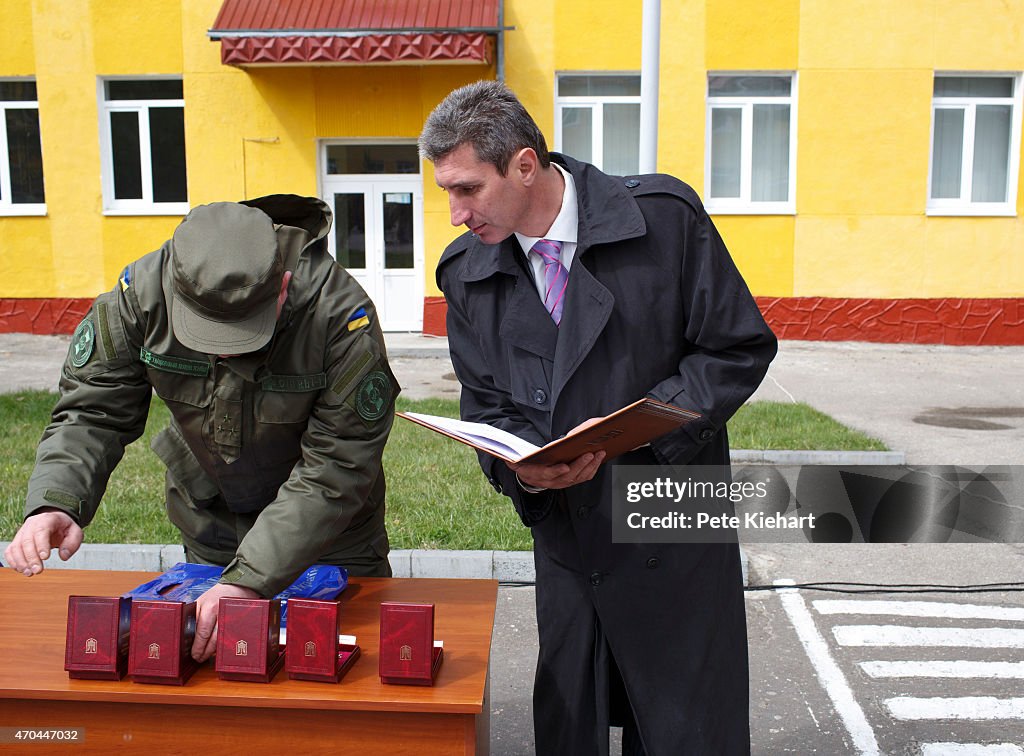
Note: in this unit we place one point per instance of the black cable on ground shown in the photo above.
(858, 588)
(855, 588)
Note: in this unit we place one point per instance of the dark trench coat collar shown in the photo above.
(607, 214)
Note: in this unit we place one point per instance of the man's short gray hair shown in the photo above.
(487, 115)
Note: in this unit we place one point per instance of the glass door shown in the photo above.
(378, 226)
(377, 237)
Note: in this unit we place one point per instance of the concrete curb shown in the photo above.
(504, 566)
(416, 345)
(809, 457)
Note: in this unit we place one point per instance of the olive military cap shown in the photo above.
(227, 274)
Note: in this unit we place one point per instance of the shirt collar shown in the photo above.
(566, 224)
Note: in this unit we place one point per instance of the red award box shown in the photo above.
(161, 642)
(314, 649)
(408, 653)
(96, 647)
(248, 639)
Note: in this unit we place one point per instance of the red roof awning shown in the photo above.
(280, 32)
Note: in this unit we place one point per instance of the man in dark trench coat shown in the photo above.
(572, 294)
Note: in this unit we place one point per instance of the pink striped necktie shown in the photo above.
(556, 276)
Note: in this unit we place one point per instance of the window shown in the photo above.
(975, 145)
(142, 133)
(21, 154)
(597, 120)
(750, 160)
(372, 158)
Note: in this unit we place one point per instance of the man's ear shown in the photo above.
(526, 165)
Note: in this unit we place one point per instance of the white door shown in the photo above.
(378, 237)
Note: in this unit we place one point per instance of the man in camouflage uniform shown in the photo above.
(271, 360)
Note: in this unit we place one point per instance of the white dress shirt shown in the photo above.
(563, 229)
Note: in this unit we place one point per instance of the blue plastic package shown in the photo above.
(186, 582)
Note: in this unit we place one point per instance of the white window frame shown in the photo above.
(963, 205)
(596, 105)
(7, 206)
(743, 205)
(145, 205)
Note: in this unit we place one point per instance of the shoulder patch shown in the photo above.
(83, 343)
(344, 383)
(125, 279)
(373, 396)
(359, 319)
(103, 315)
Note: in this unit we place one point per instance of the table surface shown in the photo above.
(33, 625)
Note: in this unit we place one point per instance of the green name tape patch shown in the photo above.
(171, 364)
(294, 383)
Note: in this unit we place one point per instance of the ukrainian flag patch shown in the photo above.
(359, 319)
(126, 277)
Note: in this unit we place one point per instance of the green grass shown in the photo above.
(133, 507)
(437, 496)
(774, 425)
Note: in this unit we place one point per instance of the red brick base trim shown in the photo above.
(42, 316)
(960, 322)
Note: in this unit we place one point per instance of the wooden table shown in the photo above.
(208, 715)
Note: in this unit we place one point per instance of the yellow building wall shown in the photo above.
(74, 251)
(866, 71)
(741, 35)
(26, 264)
(864, 79)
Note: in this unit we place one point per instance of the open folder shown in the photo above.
(625, 429)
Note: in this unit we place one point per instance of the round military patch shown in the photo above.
(373, 396)
(82, 343)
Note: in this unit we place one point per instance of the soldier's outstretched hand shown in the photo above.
(45, 530)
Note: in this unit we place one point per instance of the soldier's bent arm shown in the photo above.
(103, 406)
(333, 501)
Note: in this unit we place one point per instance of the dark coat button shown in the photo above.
(540, 396)
(632, 183)
(595, 578)
(706, 434)
(652, 563)
(582, 512)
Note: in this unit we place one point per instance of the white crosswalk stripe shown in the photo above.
(831, 677)
(964, 707)
(960, 668)
(971, 749)
(920, 609)
(954, 629)
(959, 637)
